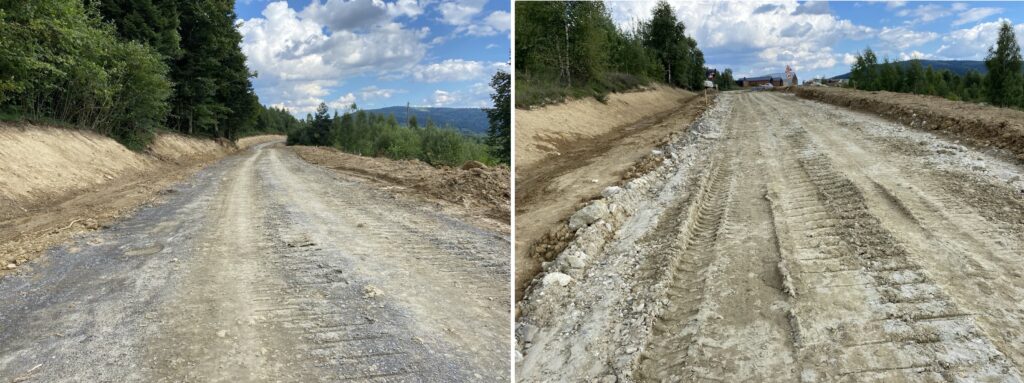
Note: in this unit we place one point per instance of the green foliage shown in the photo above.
(126, 68)
(370, 134)
(499, 136)
(61, 62)
(724, 80)
(1003, 63)
(573, 49)
(1004, 83)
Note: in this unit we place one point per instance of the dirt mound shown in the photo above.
(549, 130)
(484, 191)
(983, 125)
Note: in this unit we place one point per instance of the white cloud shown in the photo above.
(972, 43)
(914, 55)
(442, 98)
(457, 70)
(903, 38)
(343, 101)
(300, 56)
(408, 8)
(895, 4)
(461, 12)
(976, 14)
(373, 93)
(341, 15)
(849, 59)
(499, 20)
(927, 12)
(764, 36)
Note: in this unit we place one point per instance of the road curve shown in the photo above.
(263, 267)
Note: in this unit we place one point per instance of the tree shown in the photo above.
(499, 134)
(1004, 81)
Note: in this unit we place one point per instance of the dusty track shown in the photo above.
(795, 241)
(263, 267)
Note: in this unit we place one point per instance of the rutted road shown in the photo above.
(802, 242)
(263, 267)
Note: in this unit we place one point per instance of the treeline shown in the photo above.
(574, 49)
(126, 68)
(369, 134)
(1003, 85)
(724, 80)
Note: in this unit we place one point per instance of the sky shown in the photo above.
(374, 53)
(821, 38)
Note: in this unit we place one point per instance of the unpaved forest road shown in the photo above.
(804, 242)
(263, 267)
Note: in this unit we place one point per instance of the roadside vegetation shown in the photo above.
(370, 134)
(127, 69)
(1003, 85)
(573, 49)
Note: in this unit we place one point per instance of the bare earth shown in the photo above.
(263, 267)
(578, 148)
(788, 240)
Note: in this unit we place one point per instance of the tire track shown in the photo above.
(694, 248)
(864, 310)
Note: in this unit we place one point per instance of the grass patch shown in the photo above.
(542, 90)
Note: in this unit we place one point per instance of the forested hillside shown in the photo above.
(126, 68)
(466, 120)
(573, 49)
(1001, 85)
(376, 134)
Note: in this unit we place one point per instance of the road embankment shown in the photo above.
(982, 125)
(56, 182)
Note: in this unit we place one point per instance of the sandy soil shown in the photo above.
(263, 267)
(983, 125)
(55, 183)
(481, 192)
(597, 145)
(788, 240)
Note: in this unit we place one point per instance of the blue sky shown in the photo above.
(820, 38)
(374, 53)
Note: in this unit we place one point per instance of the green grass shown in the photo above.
(543, 90)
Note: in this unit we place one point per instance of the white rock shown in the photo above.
(559, 278)
(222, 333)
(656, 152)
(11, 266)
(610, 191)
(576, 260)
(588, 215)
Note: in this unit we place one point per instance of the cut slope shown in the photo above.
(550, 130)
(55, 181)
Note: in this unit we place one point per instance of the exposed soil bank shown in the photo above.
(55, 182)
(982, 125)
(481, 191)
(567, 153)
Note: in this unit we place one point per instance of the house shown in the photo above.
(775, 80)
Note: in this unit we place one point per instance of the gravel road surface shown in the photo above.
(263, 267)
(788, 240)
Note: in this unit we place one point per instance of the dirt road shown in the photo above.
(789, 240)
(263, 267)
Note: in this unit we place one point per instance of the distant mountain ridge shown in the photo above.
(466, 120)
(959, 67)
